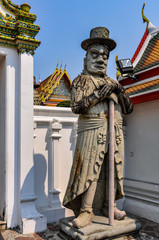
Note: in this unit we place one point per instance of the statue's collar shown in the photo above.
(98, 82)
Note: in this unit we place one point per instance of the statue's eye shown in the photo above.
(94, 55)
(104, 56)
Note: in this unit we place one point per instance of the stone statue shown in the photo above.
(87, 190)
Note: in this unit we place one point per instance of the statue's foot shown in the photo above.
(118, 215)
(84, 219)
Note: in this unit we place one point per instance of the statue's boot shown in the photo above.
(118, 215)
(84, 219)
(86, 213)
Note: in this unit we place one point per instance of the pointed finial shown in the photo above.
(34, 79)
(65, 66)
(116, 58)
(39, 79)
(118, 73)
(61, 66)
(25, 7)
(143, 16)
(57, 65)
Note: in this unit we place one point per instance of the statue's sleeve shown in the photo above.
(81, 95)
(124, 100)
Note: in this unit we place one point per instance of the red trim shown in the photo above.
(145, 98)
(140, 45)
(147, 74)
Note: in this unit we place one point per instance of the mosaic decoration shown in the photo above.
(18, 31)
(62, 89)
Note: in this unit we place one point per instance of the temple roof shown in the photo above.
(148, 56)
(144, 87)
(147, 53)
(48, 86)
(146, 67)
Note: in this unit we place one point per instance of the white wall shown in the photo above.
(142, 161)
(12, 138)
(16, 122)
(44, 158)
(2, 131)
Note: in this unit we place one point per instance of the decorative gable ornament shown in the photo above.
(17, 28)
(146, 67)
(55, 88)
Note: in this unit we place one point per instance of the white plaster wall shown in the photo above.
(12, 138)
(2, 131)
(26, 112)
(41, 155)
(17, 140)
(142, 147)
(43, 116)
(141, 183)
(67, 144)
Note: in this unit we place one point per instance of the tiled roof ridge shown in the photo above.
(45, 85)
(52, 83)
(154, 84)
(140, 45)
(48, 90)
(146, 53)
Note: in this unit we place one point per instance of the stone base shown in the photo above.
(34, 225)
(53, 214)
(99, 229)
(3, 225)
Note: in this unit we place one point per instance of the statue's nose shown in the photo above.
(100, 60)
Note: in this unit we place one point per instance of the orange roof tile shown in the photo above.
(150, 56)
(143, 87)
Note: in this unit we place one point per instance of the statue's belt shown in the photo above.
(93, 115)
(91, 121)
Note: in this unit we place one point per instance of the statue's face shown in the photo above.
(97, 59)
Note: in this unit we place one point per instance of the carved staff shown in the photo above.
(111, 162)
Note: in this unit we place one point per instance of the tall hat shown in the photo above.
(99, 35)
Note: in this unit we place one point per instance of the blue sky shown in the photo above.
(66, 23)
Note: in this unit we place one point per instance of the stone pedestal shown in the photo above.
(99, 229)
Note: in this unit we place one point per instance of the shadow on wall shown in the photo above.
(40, 171)
(35, 179)
(32, 220)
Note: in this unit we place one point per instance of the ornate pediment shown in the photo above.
(17, 28)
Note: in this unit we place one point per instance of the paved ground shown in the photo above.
(149, 231)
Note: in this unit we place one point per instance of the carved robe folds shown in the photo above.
(92, 142)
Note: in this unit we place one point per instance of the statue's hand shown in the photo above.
(106, 90)
(119, 89)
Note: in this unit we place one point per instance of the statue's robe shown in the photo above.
(92, 142)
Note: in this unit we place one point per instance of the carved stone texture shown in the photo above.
(90, 97)
(99, 229)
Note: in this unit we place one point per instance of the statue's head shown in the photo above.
(97, 59)
(98, 47)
